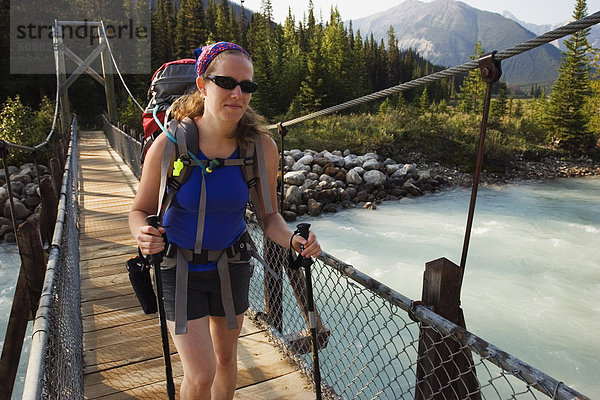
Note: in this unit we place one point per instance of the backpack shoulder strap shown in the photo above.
(186, 135)
(255, 175)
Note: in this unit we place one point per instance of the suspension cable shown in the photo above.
(112, 57)
(558, 33)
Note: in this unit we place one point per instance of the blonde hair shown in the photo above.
(192, 105)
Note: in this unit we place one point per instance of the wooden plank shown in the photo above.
(284, 387)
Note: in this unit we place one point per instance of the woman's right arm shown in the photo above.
(149, 239)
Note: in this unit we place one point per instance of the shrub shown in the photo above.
(21, 125)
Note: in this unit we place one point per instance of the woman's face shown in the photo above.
(227, 105)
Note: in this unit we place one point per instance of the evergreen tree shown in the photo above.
(567, 117)
(163, 34)
(190, 31)
(498, 106)
(472, 90)
(393, 58)
(293, 60)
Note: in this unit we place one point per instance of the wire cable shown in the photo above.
(112, 57)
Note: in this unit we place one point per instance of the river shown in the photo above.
(532, 277)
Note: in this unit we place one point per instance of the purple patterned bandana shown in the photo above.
(206, 54)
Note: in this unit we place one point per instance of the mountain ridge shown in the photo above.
(445, 33)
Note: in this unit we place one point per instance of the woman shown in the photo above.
(219, 109)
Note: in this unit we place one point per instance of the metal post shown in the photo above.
(490, 73)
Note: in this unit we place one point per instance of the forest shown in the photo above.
(315, 62)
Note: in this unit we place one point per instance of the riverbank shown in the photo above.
(322, 182)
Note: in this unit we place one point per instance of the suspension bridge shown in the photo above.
(91, 340)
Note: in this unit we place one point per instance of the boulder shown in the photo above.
(293, 195)
(373, 156)
(297, 154)
(371, 164)
(353, 177)
(21, 211)
(317, 169)
(374, 177)
(351, 161)
(327, 178)
(391, 168)
(294, 177)
(314, 207)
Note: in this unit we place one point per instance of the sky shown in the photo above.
(535, 11)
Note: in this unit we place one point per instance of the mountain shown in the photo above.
(445, 32)
(593, 37)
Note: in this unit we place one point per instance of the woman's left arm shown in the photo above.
(274, 226)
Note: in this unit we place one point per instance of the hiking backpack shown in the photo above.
(172, 80)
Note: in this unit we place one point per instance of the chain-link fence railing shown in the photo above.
(55, 368)
(376, 343)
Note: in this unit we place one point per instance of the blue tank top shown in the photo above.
(226, 198)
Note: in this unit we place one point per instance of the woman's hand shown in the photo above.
(150, 240)
(312, 248)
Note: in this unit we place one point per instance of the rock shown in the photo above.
(329, 208)
(5, 221)
(298, 166)
(288, 161)
(10, 237)
(294, 177)
(389, 161)
(306, 159)
(411, 188)
(371, 164)
(297, 154)
(400, 174)
(313, 176)
(4, 229)
(317, 169)
(320, 160)
(293, 195)
(391, 168)
(353, 177)
(314, 207)
(346, 153)
(17, 187)
(21, 211)
(3, 195)
(351, 161)
(289, 216)
(372, 156)
(374, 177)
(302, 209)
(331, 170)
(32, 201)
(23, 178)
(369, 206)
(31, 189)
(336, 160)
(310, 183)
(410, 168)
(361, 196)
(350, 192)
(327, 178)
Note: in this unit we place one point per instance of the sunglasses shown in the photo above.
(227, 82)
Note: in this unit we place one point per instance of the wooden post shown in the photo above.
(24, 305)
(61, 152)
(444, 369)
(56, 171)
(49, 210)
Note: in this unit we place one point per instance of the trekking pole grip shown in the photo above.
(154, 221)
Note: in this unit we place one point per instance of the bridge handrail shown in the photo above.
(57, 329)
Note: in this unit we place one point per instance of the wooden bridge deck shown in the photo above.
(122, 349)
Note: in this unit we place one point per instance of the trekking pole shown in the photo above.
(306, 262)
(155, 261)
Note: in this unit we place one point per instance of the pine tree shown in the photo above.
(567, 116)
(472, 90)
(163, 35)
(393, 58)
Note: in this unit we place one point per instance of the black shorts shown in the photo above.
(204, 291)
